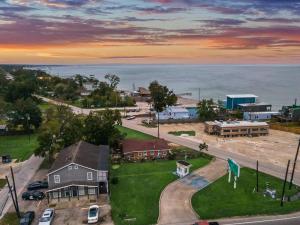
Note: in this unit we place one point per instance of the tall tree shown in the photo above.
(25, 113)
(100, 127)
(161, 97)
(113, 79)
(60, 129)
(206, 110)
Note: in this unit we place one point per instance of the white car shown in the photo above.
(47, 217)
(131, 118)
(93, 214)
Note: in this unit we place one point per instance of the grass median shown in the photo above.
(220, 200)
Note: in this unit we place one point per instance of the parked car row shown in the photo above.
(46, 218)
(33, 192)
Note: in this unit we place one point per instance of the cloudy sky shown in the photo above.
(149, 31)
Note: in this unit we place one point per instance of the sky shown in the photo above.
(150, 31)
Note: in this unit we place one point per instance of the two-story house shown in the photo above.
(79, 170)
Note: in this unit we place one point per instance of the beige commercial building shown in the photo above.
(236, 128)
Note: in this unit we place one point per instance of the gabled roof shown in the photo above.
(133, 145)
(84, 154)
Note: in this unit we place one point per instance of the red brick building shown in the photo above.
(145, 149)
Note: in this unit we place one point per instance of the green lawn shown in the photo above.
(136, 195)
(44, 106)
(18, 146)
(179, 133)
(220, 200)
(133, 134)
(10, 219)
(2, 183)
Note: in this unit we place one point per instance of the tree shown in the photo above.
(60, 129)
(114, 80)
(203, 146)
(206, 110)
(161, 97)
(19, 89)
(100, 127)
(25, 113)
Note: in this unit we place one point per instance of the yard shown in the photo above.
(179, 133)
(10, 219)
(220, 200)
(135, 198)
(2, 183)
(133, 134)
(18, 146)
(292, 127)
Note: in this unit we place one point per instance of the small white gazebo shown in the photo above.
(183, 168)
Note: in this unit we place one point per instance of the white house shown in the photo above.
(173, 112)
(259, 115)
(183, 168)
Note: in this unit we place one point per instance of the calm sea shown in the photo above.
(275, 84)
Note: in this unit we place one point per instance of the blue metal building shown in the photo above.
(234, 100)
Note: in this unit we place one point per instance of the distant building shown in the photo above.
(145, 149)
(234, 100)
(178, 113)
(80, 169)
(290, 113)
(183, 168)
(144, 92)
(3, 129)
(255, 107)
(236, 128)
(259, 115)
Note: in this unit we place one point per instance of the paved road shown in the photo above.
(175, 200)
(23, 175)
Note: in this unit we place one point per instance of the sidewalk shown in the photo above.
(175, 200)
(22, 176)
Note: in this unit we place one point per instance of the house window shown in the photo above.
(76, 167)
(145, 153)
(56, 179)
(81, 190)
(89, 176)
(152, 152)
(69, 167)
(92, 191)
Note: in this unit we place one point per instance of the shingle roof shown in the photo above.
(85, 154)
(133, 145)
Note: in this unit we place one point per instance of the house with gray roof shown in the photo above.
(79, 170)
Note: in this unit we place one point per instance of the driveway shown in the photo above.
(175, 201)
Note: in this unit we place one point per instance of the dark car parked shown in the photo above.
(33, 195)
(27, 218)
(37, 185)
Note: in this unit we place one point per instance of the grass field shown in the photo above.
(220, 200)
(44, 106)
(18, 146)
(2, 183)
(10, 219)
(179, 133)
(288, 127)
(136, 195)
(133, 134)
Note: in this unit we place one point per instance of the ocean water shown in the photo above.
(275, 84)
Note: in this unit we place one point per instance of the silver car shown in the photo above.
(47, 217)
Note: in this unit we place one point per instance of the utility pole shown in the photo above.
(11, 194)
(257, 176)
(15, 189)
(294, 166)
(284, 183)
